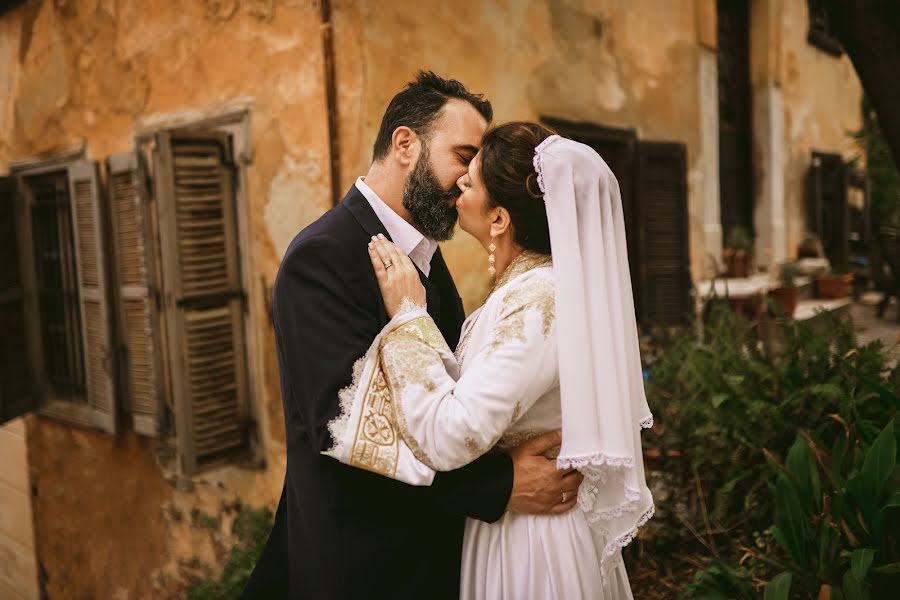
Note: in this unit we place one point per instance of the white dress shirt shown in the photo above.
(410, 240)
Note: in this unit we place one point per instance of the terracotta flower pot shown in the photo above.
(834, 286)
(737, 263)
(787, 297)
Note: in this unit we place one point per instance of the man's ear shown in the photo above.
(403, 143)
(501, 222)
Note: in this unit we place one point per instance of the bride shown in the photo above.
(554, 345)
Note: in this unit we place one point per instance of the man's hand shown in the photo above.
(539, 488)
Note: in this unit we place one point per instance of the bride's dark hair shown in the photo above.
(507, 170)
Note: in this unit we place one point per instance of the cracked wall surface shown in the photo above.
(107, 521)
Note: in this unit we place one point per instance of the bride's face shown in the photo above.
(472, 205)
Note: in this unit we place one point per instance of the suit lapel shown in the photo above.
(355, 202)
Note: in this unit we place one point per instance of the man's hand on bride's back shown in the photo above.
(396, 273)
(539, 488)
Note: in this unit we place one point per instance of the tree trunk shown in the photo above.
(869, 31)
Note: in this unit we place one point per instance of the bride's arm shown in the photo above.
(449, 423)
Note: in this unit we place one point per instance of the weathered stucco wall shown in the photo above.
(107, 522)
(18, 559)
(84, 72)
(822, 97)
(578, 60)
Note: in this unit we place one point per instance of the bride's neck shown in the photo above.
(504, 257)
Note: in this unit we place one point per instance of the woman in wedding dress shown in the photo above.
(553, 346)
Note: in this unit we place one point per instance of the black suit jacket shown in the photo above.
(341, 532)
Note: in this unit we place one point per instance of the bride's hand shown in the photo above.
(397, 276)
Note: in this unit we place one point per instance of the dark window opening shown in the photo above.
(57, 285)
(820, 33)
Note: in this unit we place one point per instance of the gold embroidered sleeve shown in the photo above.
(447, 423)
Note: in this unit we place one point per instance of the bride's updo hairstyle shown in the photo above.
(507, 171)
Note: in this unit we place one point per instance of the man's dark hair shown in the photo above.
(418, 105)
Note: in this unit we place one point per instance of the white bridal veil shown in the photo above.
(601, 382)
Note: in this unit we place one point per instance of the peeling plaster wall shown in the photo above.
(574, 59)
(822, 97)
(107, 524)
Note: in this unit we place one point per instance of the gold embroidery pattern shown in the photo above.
(536, 294)
(474, 449)
(524, 262)
(407, 363)
(375, 445)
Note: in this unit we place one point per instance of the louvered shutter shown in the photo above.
(662, 212)
(204, 299)
(15, 394)
(137, 306)
(89, 237)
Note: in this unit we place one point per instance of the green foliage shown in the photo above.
(884, 176)
(251, 528)
(739, 238)
(787, 274)
(770, 444)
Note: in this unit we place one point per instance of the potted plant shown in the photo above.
(787, 293)
(811, 259)
(737, 251)
(837, 283)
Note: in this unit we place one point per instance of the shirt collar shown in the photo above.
(407, 237)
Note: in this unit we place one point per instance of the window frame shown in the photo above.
(232, 118)
(78, 412)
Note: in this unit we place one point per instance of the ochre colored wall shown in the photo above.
(822, 97)
(107, 521)
(616, 63)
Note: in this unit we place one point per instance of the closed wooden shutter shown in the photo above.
(89, 226)
(137, 306)
(204, 298)
(16, 397)
(662, 212)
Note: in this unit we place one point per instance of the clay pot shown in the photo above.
(787, 297)
(834, 286)
(737, 263)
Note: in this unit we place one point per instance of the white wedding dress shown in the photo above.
(417, 408)
(525, 556)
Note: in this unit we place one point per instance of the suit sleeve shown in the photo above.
(326, 312)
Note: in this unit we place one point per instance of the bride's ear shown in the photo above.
(500, 221)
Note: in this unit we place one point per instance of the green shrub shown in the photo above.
(251, 527)
(728, 407)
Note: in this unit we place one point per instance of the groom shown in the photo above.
(342, 532)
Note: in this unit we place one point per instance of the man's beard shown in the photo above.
(428, 203)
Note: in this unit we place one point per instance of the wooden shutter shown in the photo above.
(89, 225)
(204, 299)
(662, 212)
(15, 393)
(137, 299)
